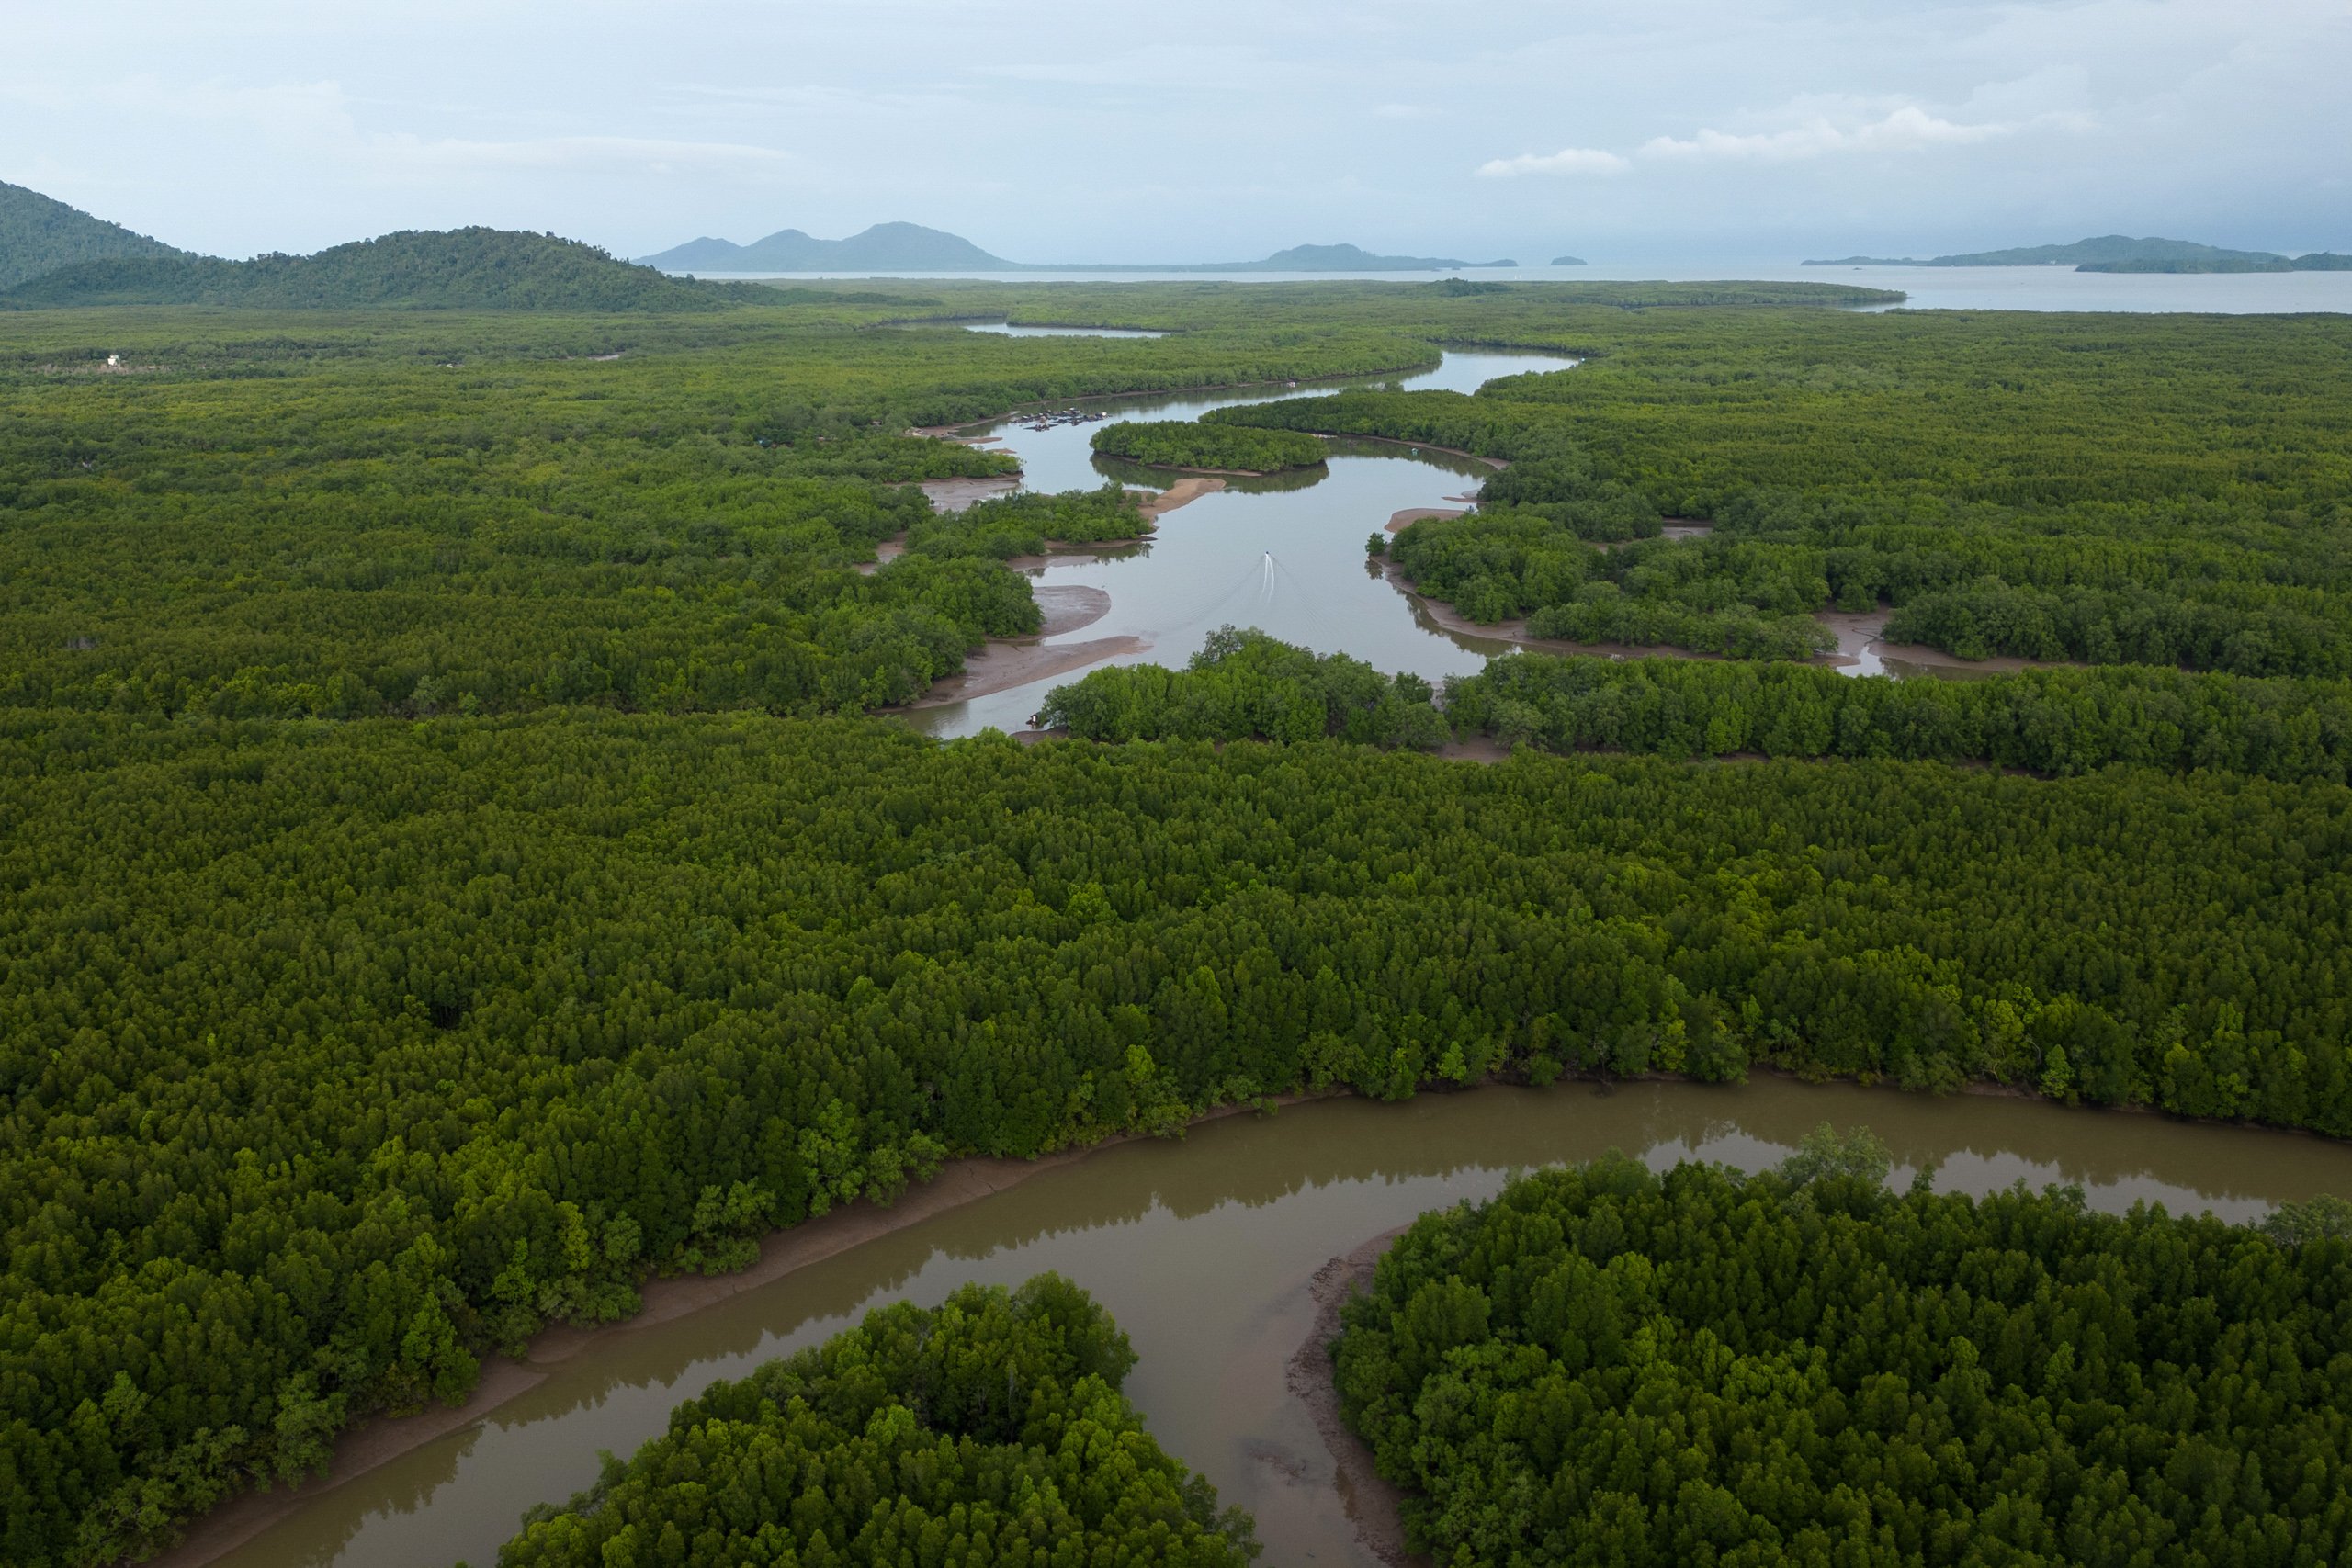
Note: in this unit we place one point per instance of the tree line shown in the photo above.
(1187, 443)
(988, 1430)
(1245, 685)
(2045, 486)
(1607, 1365)
(335, 1057)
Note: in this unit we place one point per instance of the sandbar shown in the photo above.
(1182, 492)
(1000, 666)
(1400, 521)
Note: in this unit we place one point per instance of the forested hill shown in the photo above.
(40, 234)
(885, 246)
(482, 269)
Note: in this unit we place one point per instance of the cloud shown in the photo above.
(1907, 128)
(1566, 161)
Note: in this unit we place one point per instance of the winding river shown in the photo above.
(1286, 554)
(1204, 1248)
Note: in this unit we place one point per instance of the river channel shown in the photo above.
(1283, 554)
(1203, 1248)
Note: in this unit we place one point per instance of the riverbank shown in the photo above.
(1152, 1219)
(377, 1441)
(1371, 1501)
(1002, 663)
(1859, 633)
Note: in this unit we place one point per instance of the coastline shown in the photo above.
(1371, 1499)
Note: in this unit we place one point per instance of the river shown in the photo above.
(1203, 1246)
(1284, 555)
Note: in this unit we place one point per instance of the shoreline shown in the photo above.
(375, 1440)
(1225, 473)
(380, 1437)
(952, 432)
(1002, 663)
(1856, 632)
(1370, 1499)
(1497, 464)
(1184, 492)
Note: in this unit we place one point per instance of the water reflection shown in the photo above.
(1284, 553)
(1007, 328)
(1203, 1248)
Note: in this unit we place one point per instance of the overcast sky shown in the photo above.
(1198, 130)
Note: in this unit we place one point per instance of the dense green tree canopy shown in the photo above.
(1213, 448)
(1606, 1366)
(335, 1055)
(989, 1430)
(2078, 487)
(432, 896)
(461, 269)
(1244, 685)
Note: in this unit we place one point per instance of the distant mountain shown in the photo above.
(1334, 258)
(2105, 253)
(40, 234)
(910, 247)
(1567, 261)
(896, 247)
(479, 269)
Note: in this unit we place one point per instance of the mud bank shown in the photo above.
(1371, 1501)
(1000, 665)
(1400, 521)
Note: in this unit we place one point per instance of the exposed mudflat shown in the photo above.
(1181, 492)
(1859, 644)
(1370, 1499)
(1066, 606)
(954, 495)
(1400, 521)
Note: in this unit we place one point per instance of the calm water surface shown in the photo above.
(1203, 1248)
(1929, 288)
(1285, 556)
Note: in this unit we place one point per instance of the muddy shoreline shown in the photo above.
(1858, 633)
(378, 1439)
(1371, 1500)
(375, 1440)
(1003, 663)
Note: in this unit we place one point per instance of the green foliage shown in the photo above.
(1245, 685)
(988, 1430)
(2051, 721)
(1606, 1366)
(334, 1055)
(1218, 448)
(1027, 523)
(459, 269)
(484, 969)
(2065, 487)
(38, 234)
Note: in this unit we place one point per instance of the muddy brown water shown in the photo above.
(1205, 1247)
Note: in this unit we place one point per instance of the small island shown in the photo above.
(1208, 448)
(1567, 261)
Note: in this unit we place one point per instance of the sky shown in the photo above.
(1085, 130)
